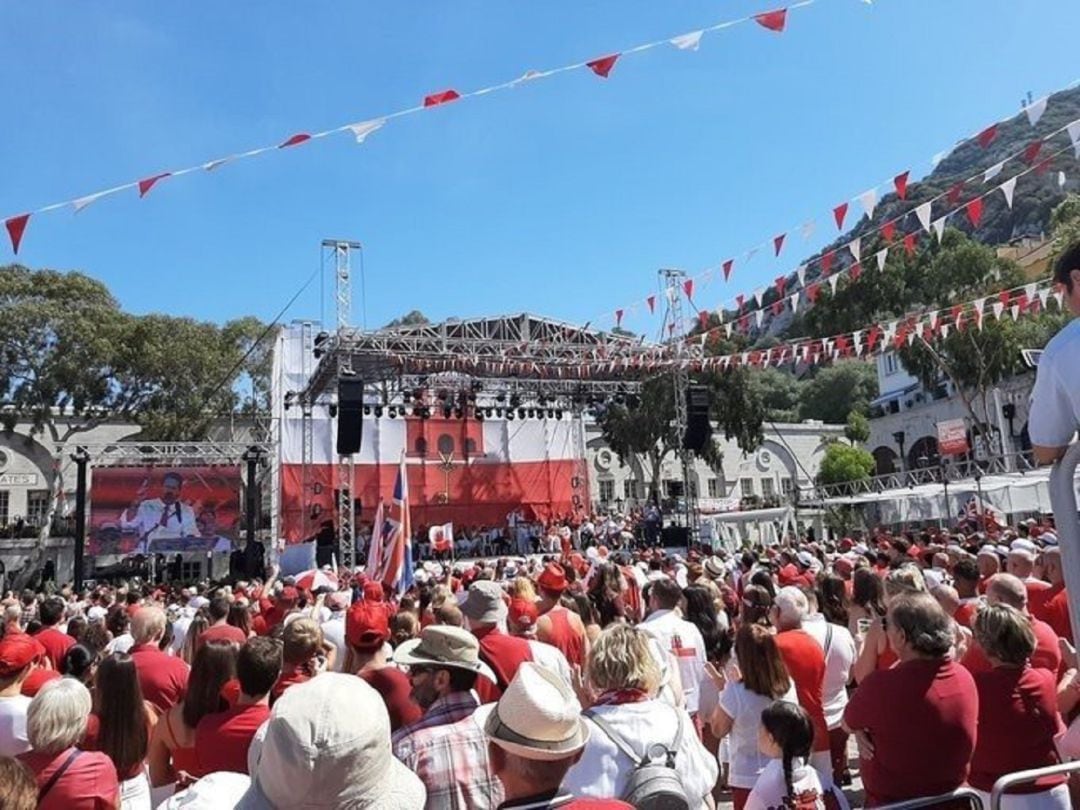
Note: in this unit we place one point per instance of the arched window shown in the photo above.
(445, 445)
(421, 446)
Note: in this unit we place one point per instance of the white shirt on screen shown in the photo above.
(149, 522)
(1055, 401)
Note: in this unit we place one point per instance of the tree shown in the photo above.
(835, 391)
(779, 393)
(413, 318)
(857, 429)
(842, 463)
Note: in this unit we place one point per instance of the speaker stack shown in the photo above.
(698, 427)
(350, 408)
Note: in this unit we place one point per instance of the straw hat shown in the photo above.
(538, 717)
(445, 646)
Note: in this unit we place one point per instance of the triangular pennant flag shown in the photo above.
(688, 287)
(15, 228)
(1014, 310)
(923, 213)
(827, 262)
(812, 292)
(1032, 151)
(888, 230)
(1059, 297)
(933, 318)
(909, 243)
(939, 228)
(868, 200)
(293, 140)
(993, 171)
(727, 268)
(955, 192)
(618, 318)
(703, 319)
(777, 306)
(781, 285)
(361, 130)
(82, 202)
(739, 301)
(800, 273)
(838, 214)
(1044, 166)
(1043, 295)
(1035, 110)
(759, 317)
(986, 137)
(855, 246)
(759, 295)
(944, 331)
(778, 243)
(855, 270)
(795, 301)
(881, 256)
(773, 20)
(977, 309)
(148, 183)
(1008, 188)
(751, 253)
(1061, 179)
(974, 211)
(602, 66)
(210, 165)
(687, 42)
(651, 301)
(728, 329)
(444, 97)
(808, 227)
(1074, 135)
(900, 182)
(833, 281)
(997, 308)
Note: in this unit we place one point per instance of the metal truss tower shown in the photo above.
(680, 379)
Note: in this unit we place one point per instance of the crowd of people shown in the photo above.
(600, 679)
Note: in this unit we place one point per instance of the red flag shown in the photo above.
(778, 243)
(827, 262)
(773, 20)
(955, 192)
(703, 319)
(856, 271)
(1044, 165)
(618, 317)
(688, 287)
(813, 291)
(739, 301)
(1032, 151)
(872, 336)
(602, 66)
(781, 285)
(651, 301)
(955, 313)
(839, 213)
(15, 227)
(446, 96)
(888, 230)
(727, 268)
(986, 137)
(299, 137)
(909, 243)
(1003, 297)
(974, 211)
(900, 181)
(778, 306)
(148, 183)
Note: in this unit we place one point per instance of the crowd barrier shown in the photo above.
(967, 793)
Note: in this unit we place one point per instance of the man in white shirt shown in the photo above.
(17, 656)
(677, 636)
(164, 517)
(1055, 401)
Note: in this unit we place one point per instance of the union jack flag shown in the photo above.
(396, 537)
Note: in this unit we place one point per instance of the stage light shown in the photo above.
(459, 413)
(531, 413)
(498, 413)
(425, 412)
(509, 415)
(515, 401)
(367, 410)
(332, 409)
(551, 413)
(320, 342)
(521, 413)
(500, 397)
(405, 396)
(392, 413)
(442, 395)
(479, 414)
(446, 411)
(558, 414)
(378, 411)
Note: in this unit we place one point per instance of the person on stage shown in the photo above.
(166, 517)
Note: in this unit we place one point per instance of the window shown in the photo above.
(768, 487)
(607, 491)
(673, 488)
(714, 487)
(747, 485)
(785, 486)
(890, 364)
(5, 496)
(37, 504)
(629, 489)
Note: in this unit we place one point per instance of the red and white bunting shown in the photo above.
(807, 229)
(16, 227)
(881, 256)
(800, 273)
(987, 136)
(148, 183)
(923, 212)
(688, 42)
(1008, 188)
(900, 184)
(938, 226)
(688, 288)
(778, 243)
(727, 268)
(773, 20)
(362, 129)
(868, 201)
(1074, 136)
(855, 246)
(839, 213)
(602, 67)
(993, 171)
(442, 97)
(1036, 109)
(975, 211)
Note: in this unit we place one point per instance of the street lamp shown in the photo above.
(899, 438)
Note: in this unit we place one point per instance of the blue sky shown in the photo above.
(562, 197)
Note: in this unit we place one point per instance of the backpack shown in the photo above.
(654, 784)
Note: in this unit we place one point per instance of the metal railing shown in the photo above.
(1009, 780)
(970, 794)
(1063, 501)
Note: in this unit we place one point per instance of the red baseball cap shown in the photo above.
(523, 613)
(373, 592)
(17, 651)
(552, 578)
(37, 679)
(367, 626)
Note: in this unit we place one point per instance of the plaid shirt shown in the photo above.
(449, 709)
(451, 760)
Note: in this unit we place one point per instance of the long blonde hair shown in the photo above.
(620, 658)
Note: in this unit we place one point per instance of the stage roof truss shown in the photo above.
(133, 453)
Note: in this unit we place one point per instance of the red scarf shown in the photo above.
(617, 697)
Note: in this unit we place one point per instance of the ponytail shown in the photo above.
(789, 757)
(789, 725)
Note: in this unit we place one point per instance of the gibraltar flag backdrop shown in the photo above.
(463, 471)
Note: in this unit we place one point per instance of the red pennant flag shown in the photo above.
(813, 291)
(445, 97)
(955, 192)
(727, 268)
(773, 20)
(827, 262)
(602, 66)
(974, 211)
(739, 301)
(839, 213)
(888, 230)
(778, 243)
(900, 181)
(1032, 151)
(703, 319)
(781, 285)
(909, 243)
(1044, 166)
(986, 137)
(148, 183)
(15, 227)
(1022, 301)
(688, 287)
(299, 137)
(618, 317)
(778, 306)
(651, 301)
(955, 313)
(900, 337)
(856, 271)
(872, 336)
(1003, 297)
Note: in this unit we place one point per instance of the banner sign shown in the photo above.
(144, 510)
(952, 437)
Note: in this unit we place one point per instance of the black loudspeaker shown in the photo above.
(350, 408)
(698, 427)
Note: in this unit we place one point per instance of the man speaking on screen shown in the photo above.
(161, 518)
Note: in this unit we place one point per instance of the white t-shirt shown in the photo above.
(1055, 401)
(770, 791)
(839, 658)
(334, 631)
(683, 640)
(744, 708)
(121, 644)
(13, 739)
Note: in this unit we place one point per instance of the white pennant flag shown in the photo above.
(856, 338)
(1061, 179)
(752, 253)
(890, 332)
(944, 331)
(795, 302)
(1059, 296)
(833, 281)
(920, 328)
(940, 156)
(687, 42)
(881, 256)
(1014, 310)
(759, 295)
(1074, 135)
(361, 130)
(1029, 290)
(939, 227)
(800, 273)
(1007, 188)
(855, 246)
(868, 200)
(807, 229)
(977, 306)
(82, 202)
(1043, 294)
(910, 338)
(759, 317)
(728, 328)
(923, 213)
(997, 307)
(210, 165)
(1035, 110)
(993, 171)
(933, 318)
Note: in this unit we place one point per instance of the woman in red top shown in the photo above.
(172, 745)
(876, 653)
(1018, 715)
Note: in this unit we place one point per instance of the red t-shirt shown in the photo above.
(909, 711)
(805, 662)
(223, 633)
(1039, 593)
(55, 644)
(89, 783)
(966, 612)
(290, 676)
(788, 574)
(222, 739)
(163, 678)
(1018, 719)
(1047, 653)
(394, 686)
(1056, 614)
